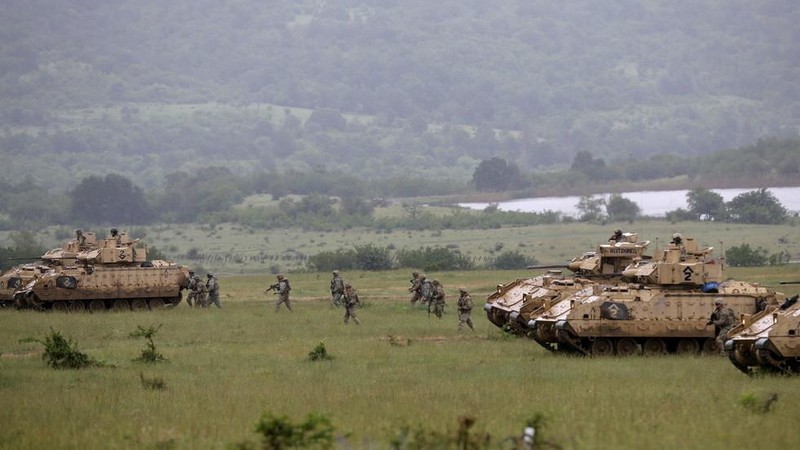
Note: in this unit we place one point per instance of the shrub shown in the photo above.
(62, 353)
(319, 353)
(744, 256)
(278, 432)
(512, 260)
(434, 259)
(149, 354)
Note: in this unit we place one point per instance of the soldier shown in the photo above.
(283, 290)
(677, 239)
(438, 299)
(425, 290)
(464, 309)
(201, 298)
(80, 238)
(115, 235)
(213, 290)
(723, 319)
(191, 299)
(416, 285)
(617, 236)
(351, 303)
(337, 289)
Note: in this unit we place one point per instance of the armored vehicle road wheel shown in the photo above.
(76, 306)
(602, 347)
(688, 347)
(654, 346)
(97, 306)
(121, 304)
(156, 303)
(59, 307)
(627, 347)
(138, 304)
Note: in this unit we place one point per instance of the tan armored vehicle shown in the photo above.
(514, 304)
(768, 341)
(660, 306)
(19, 276)
(113, 275)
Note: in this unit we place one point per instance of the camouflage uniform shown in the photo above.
(337, 289)
(438, 299)
(283, 293)
(465, 309)
(213, 291)
(425, 290)
(723, 320)
(351, 303)
(617, 236)
(416, 285)
(201, 298)
(191, 299)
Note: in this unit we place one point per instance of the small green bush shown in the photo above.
(149, 354)
(278, 432)
(62, 353)
(320, 353)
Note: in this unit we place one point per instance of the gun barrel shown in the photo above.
(548, 266)
(790, 282)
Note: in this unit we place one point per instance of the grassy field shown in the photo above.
(399, 369)
(232, 249)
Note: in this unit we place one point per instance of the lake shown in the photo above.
(652, 203)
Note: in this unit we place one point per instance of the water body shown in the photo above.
(652, 203)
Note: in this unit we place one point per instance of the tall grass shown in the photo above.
(226, 368)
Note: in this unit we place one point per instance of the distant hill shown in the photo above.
(383, 88)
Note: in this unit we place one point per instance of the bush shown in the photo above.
(62, 353)
(277, 432)
(149, 354)
(512, 260)
(434, 259)
(320, 353)
(744, 256)
(372, 257)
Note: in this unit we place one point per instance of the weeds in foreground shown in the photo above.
(62, 353)
(320, 353)
(755, 404)
(278, 433)
(149, 354)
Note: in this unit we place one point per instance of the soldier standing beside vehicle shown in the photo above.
(282, 291)
(351, 303)
(416, 285)
(464, 309)
(438, 299)
(213, 290)
(201, 295)
(337, 289)
(723, 319)
(191, 299)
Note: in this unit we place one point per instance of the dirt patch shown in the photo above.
(20, 355)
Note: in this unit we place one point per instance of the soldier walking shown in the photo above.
(723, 319)
(337, 289)
(437, 302)
(283, 290)
(416, 285)
(351, 303)
(464, 309)
(212, 287)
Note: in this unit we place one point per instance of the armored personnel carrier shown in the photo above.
(768, 341)
(113, 275)
(19, 276)
(514, 304)
(659, 306)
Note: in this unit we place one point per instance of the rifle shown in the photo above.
(272, 287)
(714, 316)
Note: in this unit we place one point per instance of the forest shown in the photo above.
(410, 95)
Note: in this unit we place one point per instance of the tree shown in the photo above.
(759, 206)
(620, 208)
(705, 204)
(512, 260)
(496, 175)
(590, 208)
(113, 199)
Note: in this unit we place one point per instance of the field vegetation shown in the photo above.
(400, 374)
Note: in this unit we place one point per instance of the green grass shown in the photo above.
(399, 368)
(549, 244)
